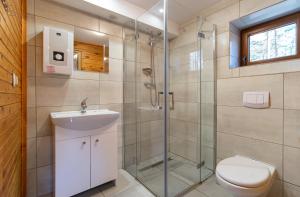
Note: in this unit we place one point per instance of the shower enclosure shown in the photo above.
(169, 108)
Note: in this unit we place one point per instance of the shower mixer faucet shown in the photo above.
(83, 105)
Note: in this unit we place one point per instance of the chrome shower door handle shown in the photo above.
(172, 100)
(158, 99)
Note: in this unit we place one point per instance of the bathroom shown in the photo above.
(159, 97)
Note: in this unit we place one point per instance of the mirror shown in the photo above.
(91, 51)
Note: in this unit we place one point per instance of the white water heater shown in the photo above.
(58, 51)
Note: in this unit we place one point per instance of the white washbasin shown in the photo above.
(90, 120)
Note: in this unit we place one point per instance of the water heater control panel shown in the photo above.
(58, 51)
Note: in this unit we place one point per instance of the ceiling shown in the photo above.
(147, 12)
(180, 11)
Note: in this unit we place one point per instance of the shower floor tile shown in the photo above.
(175, 185)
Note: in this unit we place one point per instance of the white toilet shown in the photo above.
(245, 177)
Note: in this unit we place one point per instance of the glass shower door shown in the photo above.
(169, 146)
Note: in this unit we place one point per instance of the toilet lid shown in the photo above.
(244, 172)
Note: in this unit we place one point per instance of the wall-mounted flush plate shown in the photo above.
(15, 80)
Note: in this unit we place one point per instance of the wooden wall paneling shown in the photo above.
(13, 99)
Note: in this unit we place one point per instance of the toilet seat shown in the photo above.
(244, 172)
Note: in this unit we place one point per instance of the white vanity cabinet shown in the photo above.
(87, 157)
(103, 158)
(72, 161)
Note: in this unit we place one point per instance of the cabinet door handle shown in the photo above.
(83, 143)
(97, 140)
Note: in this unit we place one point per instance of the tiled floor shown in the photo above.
(209, 188)
(127, 186)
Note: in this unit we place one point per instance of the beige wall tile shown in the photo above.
(223, 44)
(250, 6)
(110, 28)
(230, 91)
(59, 92)
(185, 92)
(223, 70)
(85, 75)
(207, 136)
(222, 17)
(151, 130)
(187, 36)
(30, 29)
(60, 13)
(186, 111)
(31, 153)
(184, 130)
(208, 48)
(263, 124)
(31, 92)
(271, 68)
(30, 61)
(31, 183)
(115, 47)
(184, 148)
(150, 149)
(292, 90)
(291, 128)
(115, 71)
(130, 136)
(44, 121)
(208, 156)
(207, 114)
(291, 165)
(230, 145)
(31, 122)
(144, 115)
(111, 92)
(44, 151)
(129, 92)
(208, 71)
(207, 92)
(143, 53)
(44, 180)
(129, 111)
(129, 71)
(291, 190)
(30, 6)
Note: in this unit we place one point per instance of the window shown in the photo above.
(272, 41)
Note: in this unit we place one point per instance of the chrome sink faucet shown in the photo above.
(83, 105)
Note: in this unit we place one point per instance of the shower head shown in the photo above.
(147, 71)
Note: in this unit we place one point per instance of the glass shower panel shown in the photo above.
(149, 110)
(185, 133)
(130, 123)
(206, 44)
